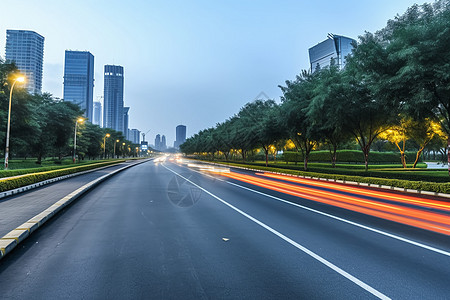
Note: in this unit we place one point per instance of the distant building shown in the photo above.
(79, 80)
(163, 143)
(113, 98)
(26, 49)
(158, 142)
(125, 121)
(97, 114)
(134, 136)
(336, 47)
(180, 136)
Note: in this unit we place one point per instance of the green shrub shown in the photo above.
(350, 156)
(27, 179)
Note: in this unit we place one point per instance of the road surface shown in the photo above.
(168, 231)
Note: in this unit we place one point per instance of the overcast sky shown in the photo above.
(191, 62)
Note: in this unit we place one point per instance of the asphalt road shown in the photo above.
(165, 231)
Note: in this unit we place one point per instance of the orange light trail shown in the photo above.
(360, 191)
(411, 216)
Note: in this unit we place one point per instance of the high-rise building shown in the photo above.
(97, 114)
(113, 98)
(158, 142)
(79, 80)
(125, 121)
(135, 136)
(26, 49)
(163, 143)
(336, 47)
(180, 136)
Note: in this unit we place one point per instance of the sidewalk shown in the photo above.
(17, 209)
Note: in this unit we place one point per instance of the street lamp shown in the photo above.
(123, 150)
(104, 144)
(79, 120)
(137, 151)
(115, 142)
(18, 79)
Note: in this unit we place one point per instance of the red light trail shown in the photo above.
(414, 213)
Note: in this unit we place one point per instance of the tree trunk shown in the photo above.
(39, 159)
(403, 159)
(305, 162)
(417, 157)
(267, 156)
(333, 156)
(366, 158)
(448, 154)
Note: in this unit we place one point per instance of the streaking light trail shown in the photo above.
(409, 210)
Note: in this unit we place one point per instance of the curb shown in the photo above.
(16, 236)
(385, 187)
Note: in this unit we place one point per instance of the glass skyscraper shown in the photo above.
(113, 98)
(26, 49)
(79, 80)
(125, 121)
(335, 47)
(181, 136)
(97, 113)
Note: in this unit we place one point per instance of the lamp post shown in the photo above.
(79, 120)
(115, 142)
(123, 150)
(104, 144)
(18, 79)
(137, 151)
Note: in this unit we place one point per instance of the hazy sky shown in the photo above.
(190, 62)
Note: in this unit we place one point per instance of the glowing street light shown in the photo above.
(79, 120)
(18, 79)
(115, 142)
(104, 144)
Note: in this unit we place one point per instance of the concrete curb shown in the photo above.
(386, 187)
(16, 236)
(48, 181)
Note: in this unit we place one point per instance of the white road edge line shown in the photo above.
(292, 242)
(443, 252)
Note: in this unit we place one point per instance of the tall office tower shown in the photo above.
(180, 136)
(163, 143)
(97, 113)
(125, 121)
(158, 142)
(135, 136)
(113, 98)
(336, 47)
(26, 49)
(79, 80)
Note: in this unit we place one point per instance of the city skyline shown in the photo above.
(201, 73)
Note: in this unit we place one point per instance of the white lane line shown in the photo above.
(440, 251)
(292, 242)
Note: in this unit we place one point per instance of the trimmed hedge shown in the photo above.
(350, 156)
(27, 179)
(21, 171)
(438, 187)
